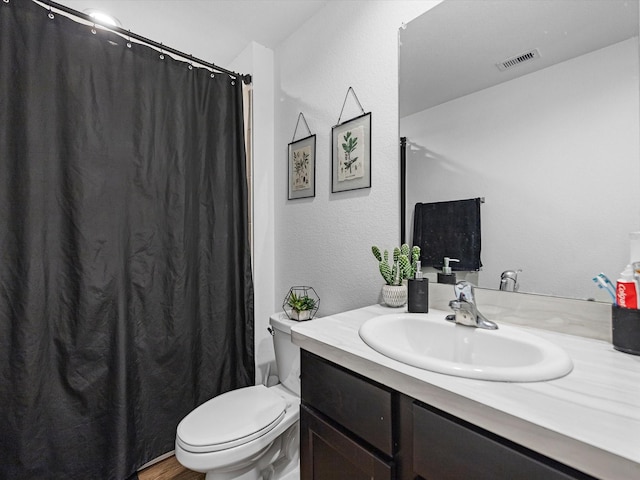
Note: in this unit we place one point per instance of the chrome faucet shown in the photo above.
(509, 275)
(466, 311)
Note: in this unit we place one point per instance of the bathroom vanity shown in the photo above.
(364, 415)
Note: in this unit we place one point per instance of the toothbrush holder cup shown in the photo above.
(625, 324)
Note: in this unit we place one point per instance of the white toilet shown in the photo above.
(251, 433)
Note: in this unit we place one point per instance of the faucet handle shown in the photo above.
(464, 291)
(512, 274)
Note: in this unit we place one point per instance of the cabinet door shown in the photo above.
(446, 448)
(328, 454)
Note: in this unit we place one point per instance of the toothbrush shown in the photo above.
(610, 286)
(604, 284)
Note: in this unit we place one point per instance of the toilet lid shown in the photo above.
(231, 419)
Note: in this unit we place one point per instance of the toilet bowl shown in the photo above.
(251, 433)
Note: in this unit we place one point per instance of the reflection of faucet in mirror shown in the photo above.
(466, 310)
(509, 275)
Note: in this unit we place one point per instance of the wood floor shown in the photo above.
(169, 469)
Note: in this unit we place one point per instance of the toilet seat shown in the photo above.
(231, 419)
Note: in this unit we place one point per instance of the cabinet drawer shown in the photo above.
(447, 448)
(357, 404)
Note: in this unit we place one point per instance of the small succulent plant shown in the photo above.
(300, 303)
(403, 266)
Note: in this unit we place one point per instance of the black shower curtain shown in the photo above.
(126, 296)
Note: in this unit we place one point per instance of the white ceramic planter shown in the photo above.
(301, 315)
(394, 295)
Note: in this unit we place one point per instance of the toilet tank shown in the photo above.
(287, 354)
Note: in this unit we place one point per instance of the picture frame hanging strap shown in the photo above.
(345, 102)
(296, 129)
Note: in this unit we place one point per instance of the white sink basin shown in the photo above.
(428, 341)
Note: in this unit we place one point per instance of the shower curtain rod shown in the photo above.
(246, 78)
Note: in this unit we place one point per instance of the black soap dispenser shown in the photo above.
(418, 301)
(447, 276)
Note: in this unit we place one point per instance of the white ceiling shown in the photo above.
(452, 49)
(214, 30)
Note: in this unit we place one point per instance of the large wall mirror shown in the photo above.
(534, 106)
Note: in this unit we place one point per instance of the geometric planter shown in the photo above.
(300, 292)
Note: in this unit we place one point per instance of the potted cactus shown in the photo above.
(403, 266)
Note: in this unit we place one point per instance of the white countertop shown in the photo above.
(589, 419)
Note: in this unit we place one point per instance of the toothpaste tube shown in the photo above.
(627, 289)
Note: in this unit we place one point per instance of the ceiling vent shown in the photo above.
(518, 60)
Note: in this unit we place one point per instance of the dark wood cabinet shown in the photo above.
(446, 448)
(356, 403)
(354, 428)
(329, 453)
(346, 429)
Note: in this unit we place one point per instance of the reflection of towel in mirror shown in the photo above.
(448, 229)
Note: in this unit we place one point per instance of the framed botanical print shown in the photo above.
(302, 168)
(351, 154)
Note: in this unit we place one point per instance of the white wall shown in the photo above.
(326, 241)
(258, 61)
(568, 133)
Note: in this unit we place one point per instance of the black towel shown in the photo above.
(448, 229)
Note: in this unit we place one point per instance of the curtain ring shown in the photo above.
(161, 52)
(191, 62)
(5, 1)
(51, 15)
(129, 39)
(93, 29)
